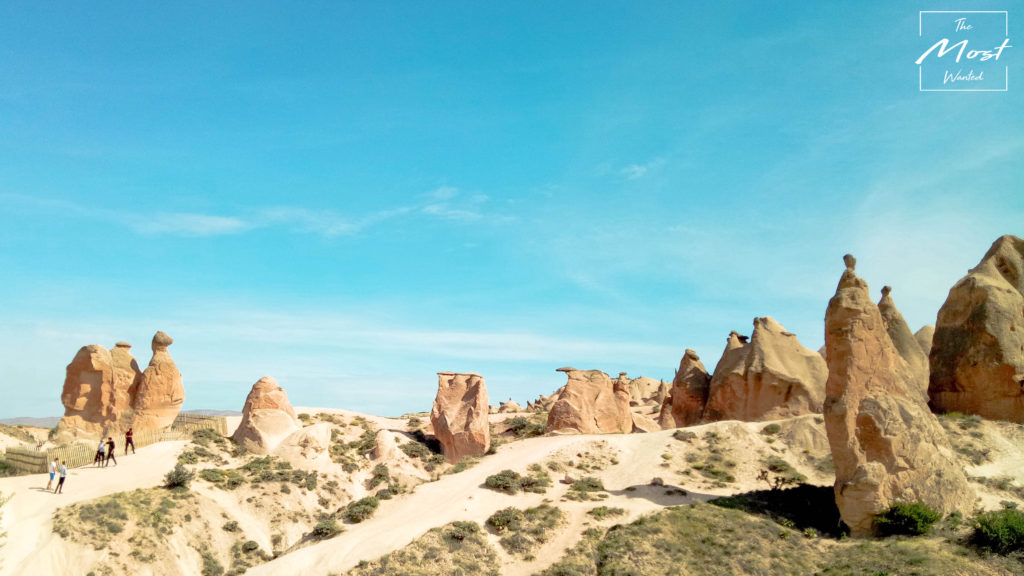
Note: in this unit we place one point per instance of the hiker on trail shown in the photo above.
(129, 440)
(53, 472)
(98, 460)
(63, 471)
(110, 451)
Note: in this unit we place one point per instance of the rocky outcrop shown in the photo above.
(904, 341)
(643, 423)
(99, 390)
(772, 376)
(886, 444)
(977, 357)
(924, 338)
(685, 403)
(544, 403)
(591, 404)
(308, 448)
(459, 416)
(510, 406)
(267, 418)
(160, 391)
(642, 390)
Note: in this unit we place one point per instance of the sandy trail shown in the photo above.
(31, 546)
(463, 497)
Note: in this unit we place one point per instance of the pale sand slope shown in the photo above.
(32, 547)
(462, 497)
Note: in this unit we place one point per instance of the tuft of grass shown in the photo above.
(602, 512)
(525, 530)
(180, 477)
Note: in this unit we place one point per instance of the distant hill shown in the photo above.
(51, 421)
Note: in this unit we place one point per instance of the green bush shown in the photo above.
(326, 528)
(361, 510)
(910, 518)
(1001, 531)
(462, 530)
(523, 427)
(380, 476)
(230, 526)
(504, 481)
(771, 429)
(505, 518)
(180, 477)
(588, 484)
(212, 475)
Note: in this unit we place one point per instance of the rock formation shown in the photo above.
(99, 389)
(160, 391)
(591, 404)
(685, 403)
(267, 417)
(544, 403)
(772, 376)
(904, 341)
(642, 423)
(510, 406)
(977, 358)
(886, 444)
(307, 448)
(924, 338)
(459, 416)
(642, 390)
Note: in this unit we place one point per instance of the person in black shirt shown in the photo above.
(110, 451)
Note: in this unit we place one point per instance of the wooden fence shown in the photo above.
(31, 461)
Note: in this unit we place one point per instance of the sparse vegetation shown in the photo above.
(778, 473)
(379, 476)
(602, 512)
(684, 435)
(525, 529)
(453, 549)
(588, 488)
(180, 477)
(527, 427)
(510, 481)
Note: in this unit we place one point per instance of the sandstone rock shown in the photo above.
(642, 423)
(904, 341)
(685, 403)
(770, 377)
(977, 358)
(160, 391)
(459, 415)
(88, 395)
(307, 448)
(385, 445)
(591, 404)
(267, 418)
(886, 444)
(127, 377)
(924, 338)
(544, 403)
(641, 389)
(509, 406)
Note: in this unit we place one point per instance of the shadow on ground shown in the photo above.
(802, 507)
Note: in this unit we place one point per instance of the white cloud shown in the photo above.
(192, 225)
(638, 171)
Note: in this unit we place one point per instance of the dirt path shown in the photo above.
(31, 546)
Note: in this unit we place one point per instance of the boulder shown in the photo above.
(977, 356)
(642, 423)
(307, 448)
(544, 403)
(924, 338)
(267, 418)
(904, 341)
(685, 403)
(886, 445)
(459, 415)
(770, 377)
(160, 391)
(591, 404)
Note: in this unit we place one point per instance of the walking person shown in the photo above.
(53, 472)
(110, 451)
(129, 440)
(63, 471)
(100, 453)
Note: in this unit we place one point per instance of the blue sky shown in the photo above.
(353, 197)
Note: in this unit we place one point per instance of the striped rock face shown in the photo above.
(459, 415)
